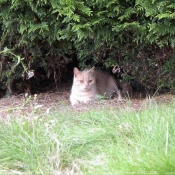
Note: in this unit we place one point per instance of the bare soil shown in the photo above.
(18, 105)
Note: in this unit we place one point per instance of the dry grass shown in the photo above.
(50, 101)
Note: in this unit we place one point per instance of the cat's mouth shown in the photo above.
(86, 89)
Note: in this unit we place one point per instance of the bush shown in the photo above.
(46, 35)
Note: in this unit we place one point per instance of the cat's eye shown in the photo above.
(90, 81)
(81, 81)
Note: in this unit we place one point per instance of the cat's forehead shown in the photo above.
(84, 75)
(80, 76)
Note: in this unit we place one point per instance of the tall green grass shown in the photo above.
(103, 141)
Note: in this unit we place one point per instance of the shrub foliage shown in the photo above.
(47, 34)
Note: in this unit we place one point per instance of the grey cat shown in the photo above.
(90, 83)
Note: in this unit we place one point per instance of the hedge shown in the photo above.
(46, 35)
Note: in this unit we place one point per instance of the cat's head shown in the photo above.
(84, 80)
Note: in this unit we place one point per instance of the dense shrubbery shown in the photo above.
(46, 35)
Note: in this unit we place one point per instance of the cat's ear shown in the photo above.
(92, 69)
(76, 71)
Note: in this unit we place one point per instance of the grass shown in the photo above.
(105, 142)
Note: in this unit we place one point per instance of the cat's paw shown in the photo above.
(119, 99)
(87, 101)
(74, 103)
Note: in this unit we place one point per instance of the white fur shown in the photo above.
(83, 92)
(77, 96)
(89, 83)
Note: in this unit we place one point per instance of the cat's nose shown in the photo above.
(86, 85)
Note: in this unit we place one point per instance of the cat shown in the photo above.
(90, 83)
